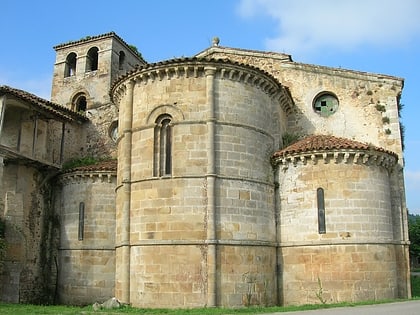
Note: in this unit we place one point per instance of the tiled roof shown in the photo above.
(110, 165)
(42, 104)
(326, 143)
(102, 36)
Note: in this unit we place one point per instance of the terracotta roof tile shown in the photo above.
(43, 104)
(325, 143)
(110, 165)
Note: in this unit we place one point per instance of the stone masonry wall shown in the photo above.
(171, 217)
(366, 100)
(86, 262)
(356, 258)
(344, 272)
(31, 234)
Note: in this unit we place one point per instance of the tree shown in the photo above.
(414, 235)
(2, 241)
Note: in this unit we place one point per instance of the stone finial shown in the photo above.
(215, 41)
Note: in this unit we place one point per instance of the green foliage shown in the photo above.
(24, 309)
(380, 108)
(385, 120)
(134, 48)
(2, 227)
(402, 134)
(414, 235)
(83, 161)
(2, 241)
(319, 294)
(289, 138)
(415, 286)
(400, 108)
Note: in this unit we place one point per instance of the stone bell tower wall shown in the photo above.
(99, 60)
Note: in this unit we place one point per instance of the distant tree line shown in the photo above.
(414, 234)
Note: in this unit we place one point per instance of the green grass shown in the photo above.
(24, 309)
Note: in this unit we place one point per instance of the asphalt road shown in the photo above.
(397, 308)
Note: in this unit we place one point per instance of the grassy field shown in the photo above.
(24, 309)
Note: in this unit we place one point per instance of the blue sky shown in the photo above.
(381, 36)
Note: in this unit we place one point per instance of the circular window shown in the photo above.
(325, 104)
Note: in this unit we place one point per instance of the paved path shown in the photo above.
(397, 308)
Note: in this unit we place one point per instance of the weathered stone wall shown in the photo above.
(344, 272)
(86, 261)
(359, 93)
(94, 85)
(31, 234)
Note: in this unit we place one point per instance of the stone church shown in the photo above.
(231, 178)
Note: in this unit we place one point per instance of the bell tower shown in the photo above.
(84, 71)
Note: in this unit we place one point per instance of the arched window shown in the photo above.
(92, 59)
(70, 69)
(121, 60)
(113, 131)
(79, 103)
(162, 162)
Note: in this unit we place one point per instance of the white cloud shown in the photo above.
(305, 27)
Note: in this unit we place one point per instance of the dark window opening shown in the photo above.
(92, 59)
(70, 68)
(81, 220)
(121, 60)
(81, 104)
(162, 162)
(321, 210)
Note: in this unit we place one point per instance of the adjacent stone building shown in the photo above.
(231, 178)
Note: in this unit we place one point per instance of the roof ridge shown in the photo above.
(105, 35)
(191, 59)
(41, 102)
(326, 143)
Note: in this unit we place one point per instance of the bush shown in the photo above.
(415, 286)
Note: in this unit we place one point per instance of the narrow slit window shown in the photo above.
(162, 164)
(81, 220)
(121, 60)
(321, 210)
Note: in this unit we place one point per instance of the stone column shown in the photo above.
(124, 157)
(211, 199)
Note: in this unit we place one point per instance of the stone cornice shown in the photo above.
(84, 176)
(196, 67)
(336, 156)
